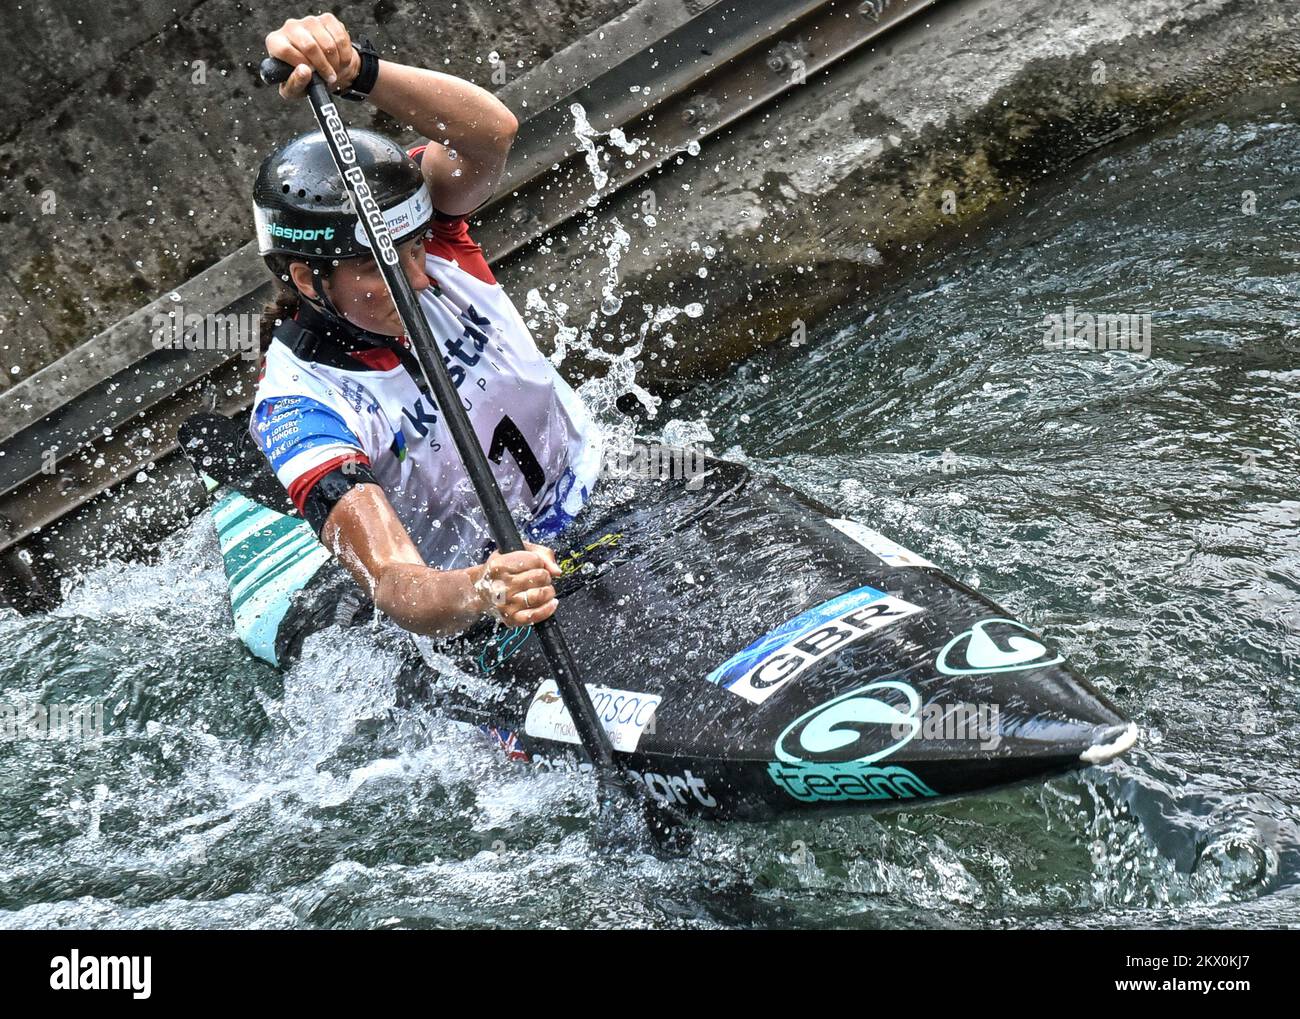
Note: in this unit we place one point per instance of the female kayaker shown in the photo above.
(338, 412)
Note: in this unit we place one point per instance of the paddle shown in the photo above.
(613, 783)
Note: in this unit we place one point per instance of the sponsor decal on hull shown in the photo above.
(994, 645)
(772, 661)
(674, 788)
(830, 752)
(666, 788)
(624, 715)
(858, 782)
(878, 545)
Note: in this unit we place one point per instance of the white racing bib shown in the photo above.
(544, 449)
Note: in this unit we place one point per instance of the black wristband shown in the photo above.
(361, 85)
(326, 493)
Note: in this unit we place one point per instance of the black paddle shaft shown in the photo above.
(595, 741)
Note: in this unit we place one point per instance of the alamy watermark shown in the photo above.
(77, 972)
(1082, 330)
(976, 722)
(224, 331)
(659, 463)
(60, 722)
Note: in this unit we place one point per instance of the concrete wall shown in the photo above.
(127, 165)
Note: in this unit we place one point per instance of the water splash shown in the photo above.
(610, 342)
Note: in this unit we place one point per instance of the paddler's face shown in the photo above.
(358, 291)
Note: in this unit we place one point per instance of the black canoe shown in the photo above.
(751, 653)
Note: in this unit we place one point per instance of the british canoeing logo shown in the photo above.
(829, 753)
(976, 650)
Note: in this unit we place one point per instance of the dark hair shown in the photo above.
(286, 299)
(283, 303)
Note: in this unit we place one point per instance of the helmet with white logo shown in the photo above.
(301, 207)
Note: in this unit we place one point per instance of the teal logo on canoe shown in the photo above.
(856, 726)
(994, 645)
(830, 753)
(502, 645)
(848, 782)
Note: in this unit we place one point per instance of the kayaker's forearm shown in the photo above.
(432, 602)
(446, 109)
(372, 544)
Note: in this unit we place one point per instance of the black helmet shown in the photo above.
(301, 207)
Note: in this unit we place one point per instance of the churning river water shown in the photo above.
(1141, 507)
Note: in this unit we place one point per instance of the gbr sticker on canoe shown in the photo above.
(769, 663)
(623, 714)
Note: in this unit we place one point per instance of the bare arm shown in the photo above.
(456, 115)
(365, 534)
(370, 541)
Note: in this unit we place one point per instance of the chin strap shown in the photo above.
(352, 337)
(325, 308)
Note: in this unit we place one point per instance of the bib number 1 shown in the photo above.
(508, 437)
